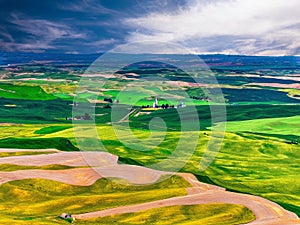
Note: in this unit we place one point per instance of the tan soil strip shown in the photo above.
(28, 150)
(80, 177)
(277, 85)
(63, 158)
(87, 176)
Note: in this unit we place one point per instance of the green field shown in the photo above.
(232, 113)
(24, 92)
(38, 143)
(281, 126)
(51, 129)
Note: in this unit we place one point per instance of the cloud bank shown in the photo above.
(269, 27)
(248, 27)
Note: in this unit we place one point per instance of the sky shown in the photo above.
(244, 27)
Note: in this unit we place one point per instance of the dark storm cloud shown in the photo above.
(30, 25)
(70, 26)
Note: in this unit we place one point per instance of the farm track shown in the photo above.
(105, 165)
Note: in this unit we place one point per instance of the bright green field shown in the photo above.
(145, 95)
(24, 92)
(38, 143)
(280, 126)
(51, 129)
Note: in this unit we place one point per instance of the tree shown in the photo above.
(108, 100)
(87, 117)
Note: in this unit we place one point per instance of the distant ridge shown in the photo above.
(217, 61)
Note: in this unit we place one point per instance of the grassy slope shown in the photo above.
(38, 143)
(233, 113)
(249, 163)
(38, 198)
(33, 137)
(208, 214)
(51, 129)
(282, 126)
(281, 159)
(253, 96)
(24, 92)
(258, 166)
(7, 154)
(12, 167)
(34, 111)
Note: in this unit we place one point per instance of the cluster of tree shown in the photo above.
(86, 116)
(293, 142)
(108, 100)
(200, 98)
(197, 98)
(166, 106)
(163, 106)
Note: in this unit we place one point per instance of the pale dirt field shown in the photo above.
(266, 212)
(277, 85)
(62, 158)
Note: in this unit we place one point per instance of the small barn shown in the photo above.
(66, 216)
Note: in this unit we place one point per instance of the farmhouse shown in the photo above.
(164, 106)
(66, 216)
(181, 105)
